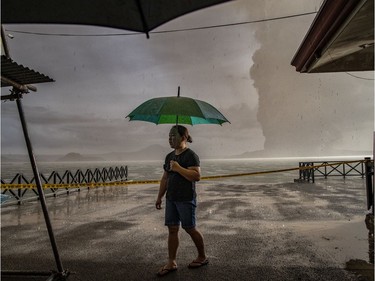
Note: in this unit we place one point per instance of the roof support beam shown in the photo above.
(21, 88)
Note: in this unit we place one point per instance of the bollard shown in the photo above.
(369, 171)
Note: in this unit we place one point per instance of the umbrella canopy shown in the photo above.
(177, 110)
(134, 15)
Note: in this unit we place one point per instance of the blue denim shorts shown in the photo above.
(180, 212)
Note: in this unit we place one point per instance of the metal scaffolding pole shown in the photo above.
(61, 274)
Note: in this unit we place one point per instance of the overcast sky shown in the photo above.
(243, 70)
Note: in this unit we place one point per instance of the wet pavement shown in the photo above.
(293, 231)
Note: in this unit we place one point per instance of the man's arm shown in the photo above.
(191, 173)
(162, 190)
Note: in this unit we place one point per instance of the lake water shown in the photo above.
(152, 170)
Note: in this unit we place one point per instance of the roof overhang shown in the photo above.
(341, 38)
(19, 76)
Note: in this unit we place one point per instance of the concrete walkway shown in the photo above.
(256, 232)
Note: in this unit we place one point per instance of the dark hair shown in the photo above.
(183, 132)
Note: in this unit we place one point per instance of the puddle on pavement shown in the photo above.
(365, 269)
(350, 243)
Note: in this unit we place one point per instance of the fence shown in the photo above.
(308, 171)
(68, 177)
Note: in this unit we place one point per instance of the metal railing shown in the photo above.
(309, 171)
(111, 174)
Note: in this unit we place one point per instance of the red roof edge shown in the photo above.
(330, 17)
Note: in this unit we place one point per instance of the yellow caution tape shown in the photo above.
(125, 183)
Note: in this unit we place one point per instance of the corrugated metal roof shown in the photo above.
(20, 74)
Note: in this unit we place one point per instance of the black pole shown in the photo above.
(178, 95)
(39, 185)
(369, 171)
(144, 21)
(4, 42)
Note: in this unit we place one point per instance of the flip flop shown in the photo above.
(164, 271)
(197, 264)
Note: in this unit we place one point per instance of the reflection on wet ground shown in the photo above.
(291, 231)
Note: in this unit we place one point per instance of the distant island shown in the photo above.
(75, 157)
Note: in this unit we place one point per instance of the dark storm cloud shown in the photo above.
(100, 79)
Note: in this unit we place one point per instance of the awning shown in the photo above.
(135, 15)
(19, 76)
(341, 38)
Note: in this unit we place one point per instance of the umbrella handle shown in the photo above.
(178, 95)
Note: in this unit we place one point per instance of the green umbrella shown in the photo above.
(177, 110)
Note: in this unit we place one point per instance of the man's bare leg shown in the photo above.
(173, 243)
(197, 238)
